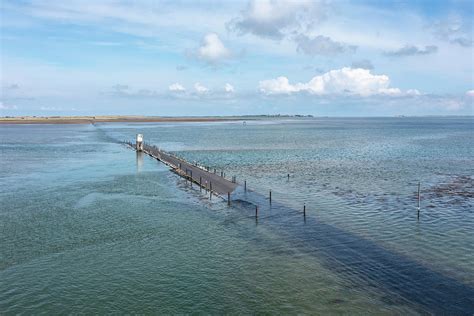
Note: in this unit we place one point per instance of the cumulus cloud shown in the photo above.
(229, 88)
(412, 92)
(212, 50)
(276, 18)
(200, 89)
(176, 87)
(202, 92)
(321, 45)
(340, 81)
(411, 50)
(470, 93)
(364, 64)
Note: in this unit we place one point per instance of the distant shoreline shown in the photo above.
(107, 119)
(157, 119)
(132, 118)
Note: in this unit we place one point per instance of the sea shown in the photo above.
(89, 226)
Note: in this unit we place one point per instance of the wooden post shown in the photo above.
(228, 198)
(191, 178)
(270, 196)
(256, 211)
(288, 177)
(304, 210)
(200, 184)
(210, 190)
(245, 185)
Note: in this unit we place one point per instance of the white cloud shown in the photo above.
(340, 81)
(51, 108)
(229, 88)
(275, 18)
(212, 49)
(200, 89)
(280, 85)
(176, 87)
(7, 107)
(412, 92)
(470, 93)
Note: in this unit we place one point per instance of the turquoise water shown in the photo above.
(87, 225)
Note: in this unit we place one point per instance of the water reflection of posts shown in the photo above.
(256, 214)
(419, 198)
(139, 161)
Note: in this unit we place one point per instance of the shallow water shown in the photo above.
(88, 225)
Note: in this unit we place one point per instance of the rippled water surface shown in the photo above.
(87, 225)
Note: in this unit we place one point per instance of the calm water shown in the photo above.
(87, 225)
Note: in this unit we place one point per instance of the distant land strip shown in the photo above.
(104, 119)
(125, 119)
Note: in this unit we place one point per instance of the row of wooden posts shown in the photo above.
(270, 193)
(190, 177)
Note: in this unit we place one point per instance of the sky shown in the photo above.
(183, 58)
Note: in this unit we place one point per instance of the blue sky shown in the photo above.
(337, 58)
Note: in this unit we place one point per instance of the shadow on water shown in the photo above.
(400, 278)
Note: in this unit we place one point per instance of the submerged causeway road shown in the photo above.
(207, 179)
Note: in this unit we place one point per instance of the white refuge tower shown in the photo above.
(140, 142)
